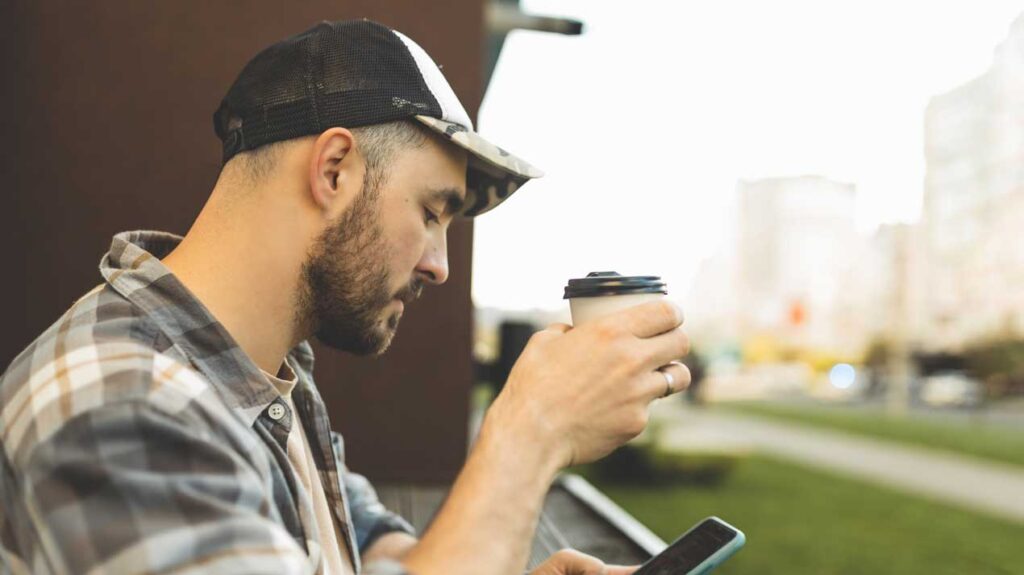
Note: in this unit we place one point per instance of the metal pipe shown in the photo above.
(503, 18)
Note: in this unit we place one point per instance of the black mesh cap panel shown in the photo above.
(349, 74)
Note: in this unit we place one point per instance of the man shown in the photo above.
(168, 422)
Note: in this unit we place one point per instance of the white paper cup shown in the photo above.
(603, 293)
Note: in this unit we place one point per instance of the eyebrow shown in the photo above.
(452, 198)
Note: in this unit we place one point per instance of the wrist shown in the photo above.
(392, 545)
(526, 442)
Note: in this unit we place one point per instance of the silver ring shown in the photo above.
(669, 381)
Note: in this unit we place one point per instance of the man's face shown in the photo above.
(373, 261)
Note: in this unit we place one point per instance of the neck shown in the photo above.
(242, 259)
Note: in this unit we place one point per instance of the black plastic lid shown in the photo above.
(610, 283)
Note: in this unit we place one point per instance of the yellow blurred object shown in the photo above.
(761, 348)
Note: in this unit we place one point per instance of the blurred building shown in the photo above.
(974, 203)
(711, 302)
(883, 293)
(796, 236)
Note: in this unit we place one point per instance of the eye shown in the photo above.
(429, 216)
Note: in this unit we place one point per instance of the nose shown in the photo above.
(433, 266)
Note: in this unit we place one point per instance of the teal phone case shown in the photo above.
(722, 554)
(718, 557)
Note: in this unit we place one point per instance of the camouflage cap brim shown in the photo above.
(493, 174)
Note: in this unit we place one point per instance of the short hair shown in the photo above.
(378, 144)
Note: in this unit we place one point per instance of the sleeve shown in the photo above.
(370, 518)
(129, 488)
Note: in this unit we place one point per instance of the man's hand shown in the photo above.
(574, 395)
(578, 393)
(572, 562)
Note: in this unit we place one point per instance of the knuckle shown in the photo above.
(607, 331)
(633, 359)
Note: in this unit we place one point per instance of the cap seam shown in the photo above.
(311, 92)
(419, 72)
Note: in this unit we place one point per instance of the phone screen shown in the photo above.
(690, 550)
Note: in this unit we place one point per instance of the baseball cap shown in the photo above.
(358, 73)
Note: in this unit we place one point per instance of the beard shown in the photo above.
(345, 281)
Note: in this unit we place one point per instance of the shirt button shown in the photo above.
(276, 411)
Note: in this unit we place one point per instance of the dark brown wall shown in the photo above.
(106, 124)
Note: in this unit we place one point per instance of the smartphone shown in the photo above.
(705, 546)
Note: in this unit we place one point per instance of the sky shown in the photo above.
(646, 122)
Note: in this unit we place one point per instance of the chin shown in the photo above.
(391, 323)
(385, 334)
(373, 342)
(389, 330)
(382, 344)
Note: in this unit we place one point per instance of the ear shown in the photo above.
(335, 174)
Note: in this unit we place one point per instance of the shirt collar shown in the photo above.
(285, 380)
(133, 268)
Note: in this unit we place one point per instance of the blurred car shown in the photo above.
(953, 389)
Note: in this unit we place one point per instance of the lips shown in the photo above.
(410, 294)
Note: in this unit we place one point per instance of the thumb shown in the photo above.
(572, 562)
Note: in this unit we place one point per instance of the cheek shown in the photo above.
(407, 247)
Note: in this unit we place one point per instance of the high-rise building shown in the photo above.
(974, 203)
(796, 236)
(881, 297)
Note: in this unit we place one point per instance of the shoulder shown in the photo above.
(101, 352)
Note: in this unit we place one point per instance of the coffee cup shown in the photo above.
(603, 293)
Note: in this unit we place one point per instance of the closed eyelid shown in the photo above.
(452, 198)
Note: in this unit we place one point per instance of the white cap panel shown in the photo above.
(451, 108)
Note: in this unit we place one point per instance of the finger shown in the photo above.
(650, 319)
(665, 348)
(621, 570)
(661, 386)
(573, 562)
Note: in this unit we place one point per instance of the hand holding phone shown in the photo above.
(699, 550)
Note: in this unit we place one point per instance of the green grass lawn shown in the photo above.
(974, 438)
(803, 521)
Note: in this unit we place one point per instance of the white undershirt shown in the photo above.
(336, 560)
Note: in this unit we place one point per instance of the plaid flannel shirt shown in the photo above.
(138, 437)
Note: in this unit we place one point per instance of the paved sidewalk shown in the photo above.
(993, 488)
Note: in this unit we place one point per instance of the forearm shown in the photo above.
(486, 525)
